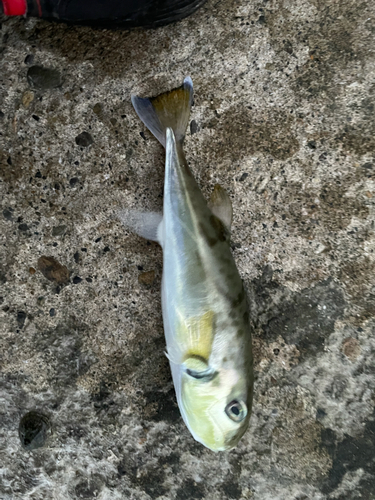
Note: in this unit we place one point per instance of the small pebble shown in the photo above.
(52, 312)
(43, 78)
(8, 213)
(58, 230)
(351, 348)
(27, 98)
(21, 318)
(147, 278)
(53, 270)
(193, 127)
(84, 140)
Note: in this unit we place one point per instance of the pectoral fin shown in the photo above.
(149, 225)
(221, 206)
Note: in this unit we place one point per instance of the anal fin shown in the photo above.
(145, 224)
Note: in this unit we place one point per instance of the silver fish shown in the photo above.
(205, 314)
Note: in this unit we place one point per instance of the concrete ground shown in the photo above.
(284, 119)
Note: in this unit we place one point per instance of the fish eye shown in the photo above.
(236, 410)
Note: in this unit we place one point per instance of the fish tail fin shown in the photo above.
(168, 110)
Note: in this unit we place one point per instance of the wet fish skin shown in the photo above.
(205, 313)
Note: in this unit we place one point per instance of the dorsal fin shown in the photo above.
(221, 206)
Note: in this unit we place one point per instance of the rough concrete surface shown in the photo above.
(284, 119)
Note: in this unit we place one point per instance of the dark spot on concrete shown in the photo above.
(76, 257)
(8, 213)
(172, 460)
(53, 270)
(308, 318)
(320, 413)
(149, 480)
(240, 132)
(190, 490)
(52, 312)
(58, 230)
(43, 78)
(73, 181)
(3, 278)
(350, 454)
(21, 317)
(87, 488)
(244, 176)
(33, 430)
(36, 117)
(336, 387)
(29, 59)
(193, 127)
(331, 43)
(60, 351)
(77, 280)
(303, 318)
(358, 138)
(162, 406)
(23, 227)
(334, 211)
(151, 483)
(358, 277)
(231, 490)
(84, 140)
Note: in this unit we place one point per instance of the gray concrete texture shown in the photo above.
(283, 118)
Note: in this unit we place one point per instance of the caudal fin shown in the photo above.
(169, 110)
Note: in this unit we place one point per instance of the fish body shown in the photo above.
(205, 314)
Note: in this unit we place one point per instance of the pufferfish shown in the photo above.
(205, 313)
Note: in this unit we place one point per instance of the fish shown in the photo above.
(204, 304)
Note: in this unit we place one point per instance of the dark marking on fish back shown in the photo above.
(219, 227)
(237, 301)
(210, 239)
